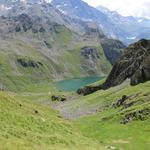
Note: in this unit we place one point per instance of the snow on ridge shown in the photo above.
(58, 6)
(65, 4)
(131, 38)
(3, 7)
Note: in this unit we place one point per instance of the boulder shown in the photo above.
(58, 98)
(88, 90)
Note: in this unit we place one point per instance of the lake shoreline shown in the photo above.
(72, 85)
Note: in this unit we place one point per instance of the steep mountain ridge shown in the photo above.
(126, 29)
(43, 9)
(82, 10)
(133, 26)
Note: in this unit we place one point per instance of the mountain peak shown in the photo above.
(127, 29)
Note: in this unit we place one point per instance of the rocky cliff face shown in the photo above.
(113, 49)
(133, 65)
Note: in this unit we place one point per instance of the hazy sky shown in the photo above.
(125, 7)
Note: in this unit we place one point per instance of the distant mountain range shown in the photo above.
(126, 29)
(139, 9)
(136, 27)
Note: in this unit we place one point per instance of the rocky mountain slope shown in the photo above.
(119, 116)
(133, 26)
(39, 43)
(82, 10)
(134, 65)
(126, 29)
(113, 49)
(40, 8)
(33, 49)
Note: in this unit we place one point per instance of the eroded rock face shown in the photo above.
(26, 21)
(133, 65)
(24, 62)
(113, 49)
(89, 52)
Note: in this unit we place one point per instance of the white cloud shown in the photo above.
(140, 8)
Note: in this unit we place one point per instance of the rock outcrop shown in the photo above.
(133, 65)
(120, 101)
(24, 62)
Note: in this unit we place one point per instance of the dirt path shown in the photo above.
(70, 110)
(66, 109)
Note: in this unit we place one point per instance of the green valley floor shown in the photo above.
(26, 125)
(93, 122)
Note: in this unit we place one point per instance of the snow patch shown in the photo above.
(65, 5)
(58, 6)
(140, 20)
(62, 11)
(3, 7)
(131, 38)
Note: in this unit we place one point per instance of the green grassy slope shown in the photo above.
(17, 78)
(25, 125)
(106, 126)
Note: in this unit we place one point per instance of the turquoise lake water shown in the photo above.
(76, 83)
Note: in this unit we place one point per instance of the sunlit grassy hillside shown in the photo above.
(107, 124)
(25, 125)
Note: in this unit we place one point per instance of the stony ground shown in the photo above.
(66, 111)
